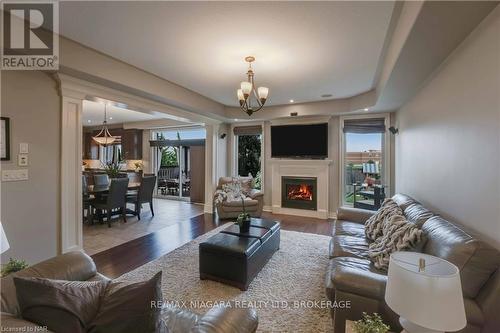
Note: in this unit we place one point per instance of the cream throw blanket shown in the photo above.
(390, 232)
(373, 226)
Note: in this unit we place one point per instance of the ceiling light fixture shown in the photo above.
(248, 88)
(104, 138)
(366, 109)
(291, 101)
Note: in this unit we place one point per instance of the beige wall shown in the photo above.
(30, 209)
(447, 150)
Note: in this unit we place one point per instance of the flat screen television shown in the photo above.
(300, 141)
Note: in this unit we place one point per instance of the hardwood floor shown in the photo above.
(130, 255)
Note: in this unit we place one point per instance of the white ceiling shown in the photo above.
(93, 114)
(303, 49)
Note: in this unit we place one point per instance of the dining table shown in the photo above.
(99, 190)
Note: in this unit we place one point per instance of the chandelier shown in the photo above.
(104, 138)
(248, 89)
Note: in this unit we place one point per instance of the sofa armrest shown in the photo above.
(255, 194)
(10, 323)
(354, 214)
(227, 320)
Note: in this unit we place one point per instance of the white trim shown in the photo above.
(267, 208)
(386, 153)
(71, 180)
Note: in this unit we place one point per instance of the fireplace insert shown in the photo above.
(298, 192)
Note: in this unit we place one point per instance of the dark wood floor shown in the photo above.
(128, 256)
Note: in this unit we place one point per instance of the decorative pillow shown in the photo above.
(373, 226)
(130, 308)
(62, 306)
(397, 235)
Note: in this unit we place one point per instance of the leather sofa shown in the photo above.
(351, 276)
(228, 210)
(77, 266)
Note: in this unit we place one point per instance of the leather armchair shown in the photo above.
(77, 266)
(227, 210)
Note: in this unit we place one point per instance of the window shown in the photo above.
(364, 162)
(248, 153)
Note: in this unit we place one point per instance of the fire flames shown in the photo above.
(300, 192)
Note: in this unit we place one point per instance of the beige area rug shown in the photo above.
(295, 273)
(98, 237)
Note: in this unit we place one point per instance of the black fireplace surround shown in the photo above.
(299, 192)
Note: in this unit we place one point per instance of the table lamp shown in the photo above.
(4, 243)
(425, 291)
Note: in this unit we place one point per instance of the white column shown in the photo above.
(211, 160)
(71, 171)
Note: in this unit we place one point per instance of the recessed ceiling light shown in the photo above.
(366, 109)
(110, 118)
(326, 95)
(89, 121)
(235, 119)
(291, 101)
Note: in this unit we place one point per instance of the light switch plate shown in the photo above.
(14, 175)
(22, 160)
(23, 148)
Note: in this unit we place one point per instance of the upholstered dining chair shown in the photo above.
(116, 199)
(143, 195)
(101, 179)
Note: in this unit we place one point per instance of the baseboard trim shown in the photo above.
(208, 209)
(267, 209)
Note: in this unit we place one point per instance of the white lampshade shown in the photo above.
(246, 87)
(4, 243)
(240, 95)
(430, 297)
(263, 92)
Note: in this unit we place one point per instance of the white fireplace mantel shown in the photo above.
(301, 168)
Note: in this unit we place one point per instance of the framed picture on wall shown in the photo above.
(5, 139)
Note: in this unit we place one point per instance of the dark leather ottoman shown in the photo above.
(235, 258)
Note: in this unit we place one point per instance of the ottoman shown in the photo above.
(235, 258)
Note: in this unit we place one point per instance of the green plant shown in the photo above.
(112, 169)
(169, 157)
(371, 324)
(243, 218)
(12, 266)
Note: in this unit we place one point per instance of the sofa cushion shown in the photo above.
(62, 306)
(356, 276)
(346, 228)
(132, 307)
(73, 266)
(403, 200)
(354, 214)
(417, 214)
(476, 260)
(349, 246)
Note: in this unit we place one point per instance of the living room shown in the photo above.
(370, 132)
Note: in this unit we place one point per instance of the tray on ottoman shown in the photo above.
(235, 257)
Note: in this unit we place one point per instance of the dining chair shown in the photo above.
(86, 198)
(143, 195)
(101, 179)
(116, 199)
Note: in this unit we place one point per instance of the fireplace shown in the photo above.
(298, 192)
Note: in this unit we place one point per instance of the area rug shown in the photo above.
(288, 294)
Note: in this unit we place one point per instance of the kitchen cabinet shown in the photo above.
(90, 147)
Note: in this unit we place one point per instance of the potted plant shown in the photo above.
(244, 218)
(138, 166)
(12, 266)
(112, 169)
(370, 324)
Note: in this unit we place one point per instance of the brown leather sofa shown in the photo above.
(228, 210)
(77, 266)
(352, 277)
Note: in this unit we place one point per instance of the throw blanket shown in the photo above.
(232, 191)
(373, 226)
(397, 235)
